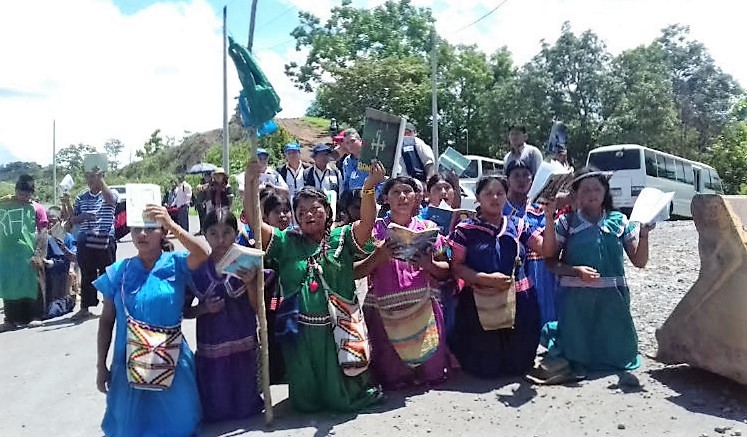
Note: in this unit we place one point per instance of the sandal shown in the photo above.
(553, 371)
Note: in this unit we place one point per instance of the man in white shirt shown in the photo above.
(321, 175)
(270, 177)
(417, 159)
(182, 200)
(521, 151)
(292, 171)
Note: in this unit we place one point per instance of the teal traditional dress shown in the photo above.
(595, 329)
(155, 297)
(303, 325)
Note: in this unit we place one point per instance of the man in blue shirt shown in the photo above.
(352, 177)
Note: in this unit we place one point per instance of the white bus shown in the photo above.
(636, 167)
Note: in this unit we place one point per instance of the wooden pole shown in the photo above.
(225, 96)
(256, 224)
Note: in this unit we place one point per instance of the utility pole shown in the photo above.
(225, 95)
(252, 21)
(434, 92)
(54, 159)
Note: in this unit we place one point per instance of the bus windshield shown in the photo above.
(616, 160)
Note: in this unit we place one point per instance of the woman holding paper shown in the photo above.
(226, 355)
(496, 328)
(319, 324)
(405, 321)
(144, 298)
(595, 329)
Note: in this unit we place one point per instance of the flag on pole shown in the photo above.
(258, 94)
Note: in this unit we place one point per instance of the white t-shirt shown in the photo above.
(325, 180)
(529, 154)
(272, 177)
(293, 180)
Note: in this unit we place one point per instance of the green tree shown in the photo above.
(704, 95)
(729, 158)
(639, 103)
(113, 148)
(395, 29)
(155, 144)
(70, 158)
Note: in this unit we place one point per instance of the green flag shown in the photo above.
(258, 94)
(18, 278)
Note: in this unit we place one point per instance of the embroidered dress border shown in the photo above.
(314, 319)
(227, 348)
(398, 301)
(606, 282)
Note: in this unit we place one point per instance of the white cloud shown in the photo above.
(102, 74)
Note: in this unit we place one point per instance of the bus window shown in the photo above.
(629, 159)
(651, 169)
(716, 182)
(698, 174)
(679, 170)
(669, 168)
(489, 168)
(661, 166)
(706, 175)
(688, 172)
(471, 170)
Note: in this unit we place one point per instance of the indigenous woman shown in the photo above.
(226, 354)
(145, 294)
(518, 205)
(405, 322)
(316, 274)
(595, 329)
(442, 187)
(489, 252)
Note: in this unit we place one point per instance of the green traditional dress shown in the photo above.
(595, 329)
(315, 378)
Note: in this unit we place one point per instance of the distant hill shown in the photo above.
(195, 148)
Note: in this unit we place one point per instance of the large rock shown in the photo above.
(708, 328)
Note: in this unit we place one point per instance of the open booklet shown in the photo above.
(447, 218)
(411, 242)
(551, 178)
(651, 206)
(237, 258)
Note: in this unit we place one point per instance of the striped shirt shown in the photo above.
(103, 224)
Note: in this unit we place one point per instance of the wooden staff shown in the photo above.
(256, 224)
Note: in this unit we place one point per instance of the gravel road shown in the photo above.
(48, 384)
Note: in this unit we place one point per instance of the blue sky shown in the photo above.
(123, 68)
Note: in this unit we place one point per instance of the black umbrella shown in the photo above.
(202, 167)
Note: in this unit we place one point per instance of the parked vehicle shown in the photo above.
(636, 167)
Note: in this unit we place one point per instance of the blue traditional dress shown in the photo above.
(155, 297)
(545, 282)
(226, 348)
(503, 352)
(595, 329)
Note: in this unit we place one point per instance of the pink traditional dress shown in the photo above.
(405, 321)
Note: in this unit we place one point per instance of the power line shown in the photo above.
(278, 44)
(484, 16)
(288, 9)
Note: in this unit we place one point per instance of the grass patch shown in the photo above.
(317, 122)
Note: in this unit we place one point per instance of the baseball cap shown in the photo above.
(411, 127)
(319, 148)
(292, 147)
(261, 151)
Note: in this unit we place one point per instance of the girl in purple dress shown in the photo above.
(405, 322)
(227, 347)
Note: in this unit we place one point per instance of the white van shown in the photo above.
(482, 166)
(636, 167)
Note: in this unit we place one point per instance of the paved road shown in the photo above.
(47, 388)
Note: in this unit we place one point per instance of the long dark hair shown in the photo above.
(448, 177)
(222, 216)
(483, 182)
(273, 200)
(607, 202)
(309, 193)
(347, 200)
(26, 184)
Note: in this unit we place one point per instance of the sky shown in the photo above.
(122, 68)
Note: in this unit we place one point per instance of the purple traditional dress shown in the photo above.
(226, 354)
(405, 321)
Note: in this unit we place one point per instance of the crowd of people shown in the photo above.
(348, 318)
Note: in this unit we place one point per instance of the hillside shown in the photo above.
(197, 147)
